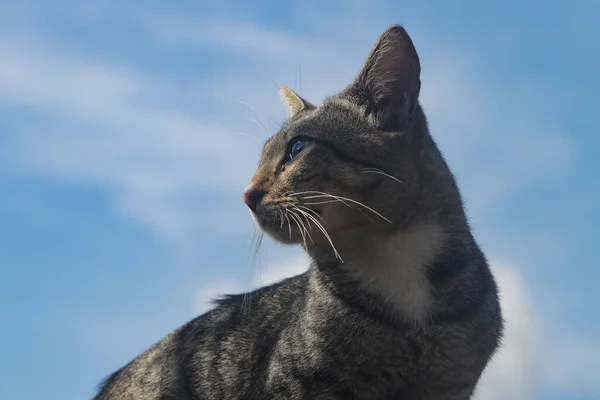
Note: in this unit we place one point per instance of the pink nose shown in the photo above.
(252, 197)
(246, 198)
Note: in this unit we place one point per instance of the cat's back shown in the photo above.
(215, 351)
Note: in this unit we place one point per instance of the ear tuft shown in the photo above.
(295, 104)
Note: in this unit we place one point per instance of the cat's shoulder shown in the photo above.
(291, 285)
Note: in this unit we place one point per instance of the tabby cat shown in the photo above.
(398, 302)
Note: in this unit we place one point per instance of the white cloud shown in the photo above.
(108, 125)
(207, 294)
(254, 40)
(113, 131)
(475, 122)
(279, 271)
(272, 273)
(530, 359)
(116, 131)
(513, 372)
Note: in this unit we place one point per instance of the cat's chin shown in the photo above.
(283, 234)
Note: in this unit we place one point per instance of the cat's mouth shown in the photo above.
(288, 222)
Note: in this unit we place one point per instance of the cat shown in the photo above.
(398, 302)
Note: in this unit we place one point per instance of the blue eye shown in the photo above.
(296, 147)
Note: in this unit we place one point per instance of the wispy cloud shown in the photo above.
(112, 130)
(261, 276)
(259, 42)
(513, 373)
(113, 127)
(117, 130)
(475, 121)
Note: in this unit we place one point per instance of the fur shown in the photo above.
(398, 302)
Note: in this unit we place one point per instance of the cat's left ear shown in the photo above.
(295, 104)
(388, 85)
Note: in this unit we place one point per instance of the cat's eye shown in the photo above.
(296, 147)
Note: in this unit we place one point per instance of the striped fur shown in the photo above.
(398, 302)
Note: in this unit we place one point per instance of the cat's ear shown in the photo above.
(388, 85)
(295, 104)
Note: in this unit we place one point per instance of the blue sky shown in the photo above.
(124, 149)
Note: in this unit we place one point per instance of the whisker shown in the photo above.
(250, 241)
(323, 194)
(259, 124)
(305, 229)
(323, 202)
(288, 221)
(244, 299)
(295, 79)
(259, 259)
(380, 172)
(258, 238)
(325, 233)
(295, 218)
(247, 134)
(337, 199)
(280, 214)
(257, 113)
(311, 211)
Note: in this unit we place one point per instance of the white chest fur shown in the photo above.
(395, 268)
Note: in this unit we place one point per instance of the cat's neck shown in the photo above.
(389, 269)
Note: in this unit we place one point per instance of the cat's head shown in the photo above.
(361, 163)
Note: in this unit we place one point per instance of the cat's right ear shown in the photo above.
(295, 104)
(389, 83)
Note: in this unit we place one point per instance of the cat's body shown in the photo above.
(399, 302)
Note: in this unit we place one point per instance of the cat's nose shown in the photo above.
(252, 197)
